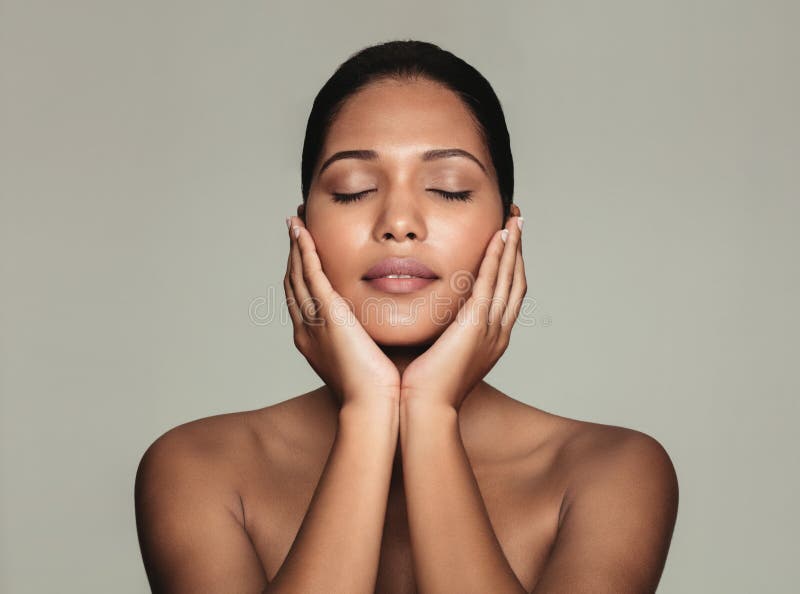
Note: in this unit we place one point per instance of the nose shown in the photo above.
(401, 218)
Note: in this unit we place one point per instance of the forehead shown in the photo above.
(403, 118)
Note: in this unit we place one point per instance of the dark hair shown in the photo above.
(407, 60)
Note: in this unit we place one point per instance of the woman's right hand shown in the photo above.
(327, 332)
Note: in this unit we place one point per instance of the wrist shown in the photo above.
(371, 407)
(427, 407)
(413, 398)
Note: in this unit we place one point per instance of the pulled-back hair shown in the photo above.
(409, 60)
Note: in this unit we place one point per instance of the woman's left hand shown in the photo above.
(475, 340)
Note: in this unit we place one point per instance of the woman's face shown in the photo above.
(400, 214)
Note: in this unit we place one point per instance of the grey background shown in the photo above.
(151, 151)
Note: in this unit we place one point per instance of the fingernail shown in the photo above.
(520, 221)
(504, 234)
(296, 231)
(288, 222)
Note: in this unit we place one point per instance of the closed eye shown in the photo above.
(339, 197)
(463, 195)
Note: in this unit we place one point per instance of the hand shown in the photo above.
(327, 332)
(471, 345)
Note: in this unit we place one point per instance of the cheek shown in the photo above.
(467, 248)
(464, 271)
(338, 256)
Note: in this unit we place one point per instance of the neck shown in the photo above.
(402, 356)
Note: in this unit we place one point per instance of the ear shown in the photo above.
(301, 212)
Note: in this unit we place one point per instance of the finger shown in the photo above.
(313, 275)
(505, 273)
(291, 300)
(519, 288)
(301, 292)
(483, 288)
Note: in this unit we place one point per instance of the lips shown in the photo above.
(403, 266)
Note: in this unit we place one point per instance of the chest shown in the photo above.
(523, 500)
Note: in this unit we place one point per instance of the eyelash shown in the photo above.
(463, 196)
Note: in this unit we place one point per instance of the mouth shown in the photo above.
(407, 284)
(399, 275)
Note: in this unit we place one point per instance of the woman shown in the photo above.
(405, 471)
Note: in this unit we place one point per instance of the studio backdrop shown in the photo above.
(150, 152)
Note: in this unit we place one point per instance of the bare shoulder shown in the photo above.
(592, 453)
(586, 448)
(214, 435)
(210, 450)
(226, 449)
(592, 457)
(600, 452)
(189, 514)
(617, 513)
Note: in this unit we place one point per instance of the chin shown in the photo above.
(417, 334)
(402, 320)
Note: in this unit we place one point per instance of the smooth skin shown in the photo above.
(405, 471)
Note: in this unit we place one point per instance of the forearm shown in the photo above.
(337, 548)
(454, 546)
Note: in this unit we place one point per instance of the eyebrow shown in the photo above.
(369, 155)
